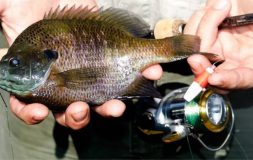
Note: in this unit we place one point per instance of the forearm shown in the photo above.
(2, 6)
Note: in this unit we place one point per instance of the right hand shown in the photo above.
(234, 44)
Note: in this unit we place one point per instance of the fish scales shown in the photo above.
(93, 59)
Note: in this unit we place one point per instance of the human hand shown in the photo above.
(77, 115)
(235, 45)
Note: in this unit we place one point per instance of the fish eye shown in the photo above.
(14, 62)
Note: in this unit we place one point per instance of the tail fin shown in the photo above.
(182, 46)
(212, 57)
(185, 43)
(175, 48)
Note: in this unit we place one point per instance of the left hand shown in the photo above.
(15, 18)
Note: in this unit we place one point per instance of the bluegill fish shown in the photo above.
(78, 55)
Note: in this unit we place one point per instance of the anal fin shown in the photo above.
(141, 88)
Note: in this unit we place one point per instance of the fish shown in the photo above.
(76, 54)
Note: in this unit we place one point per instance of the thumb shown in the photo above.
(238, 78)
(208, 27)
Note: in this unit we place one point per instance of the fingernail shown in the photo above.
(79, 116)
(220, 4)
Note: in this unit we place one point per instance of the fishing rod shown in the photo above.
(237, 21)
(171, 27)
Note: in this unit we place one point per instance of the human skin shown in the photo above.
(235, 45)
(16, 15)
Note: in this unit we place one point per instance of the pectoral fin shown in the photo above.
(77, 77)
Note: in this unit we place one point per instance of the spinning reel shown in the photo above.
(175, 118)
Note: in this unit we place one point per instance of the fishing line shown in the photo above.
(240, 146)
(189, 146)
(8, 125)
(225, 140)
(188, 142)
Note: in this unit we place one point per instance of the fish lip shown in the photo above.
(11, 85)
(12, 89)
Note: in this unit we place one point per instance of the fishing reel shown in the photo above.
(175, 118)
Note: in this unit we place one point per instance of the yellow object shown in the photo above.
(204, 115)
(168, 27)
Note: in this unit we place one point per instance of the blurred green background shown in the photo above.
(3, 42)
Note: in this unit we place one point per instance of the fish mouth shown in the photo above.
(13, 87)
(25, 84)
(22, 88)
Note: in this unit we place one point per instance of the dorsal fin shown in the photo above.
(126, 20)
(71, 13)
(120, 18)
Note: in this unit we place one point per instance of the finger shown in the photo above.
(198, 63)
(76, 116)
(208, 27)
(219, 90)
(60, 118)
(153, 73)
(232, 79)
(193, 23)
(31, 113)
(210, 2)
(112, 108)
